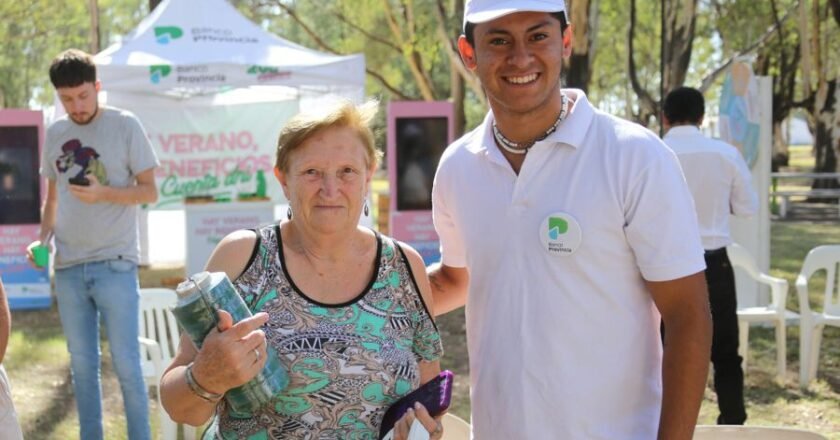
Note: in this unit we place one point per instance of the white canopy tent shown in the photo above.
(188, 48)
(212, 90)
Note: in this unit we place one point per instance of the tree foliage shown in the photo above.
(410, 52)
(34, 31)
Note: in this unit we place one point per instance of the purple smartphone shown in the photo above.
(435, 395)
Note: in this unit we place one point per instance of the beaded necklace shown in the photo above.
(523, 147)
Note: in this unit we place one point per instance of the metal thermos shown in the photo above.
(199, 297)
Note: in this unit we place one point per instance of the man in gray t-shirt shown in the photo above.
(99, 165)
(110, 152)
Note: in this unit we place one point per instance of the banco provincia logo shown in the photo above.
(556, 227)
(158, 72)
(165, 34)
(560, 234)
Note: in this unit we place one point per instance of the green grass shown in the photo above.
(37, 349)
(38, 363)
(773, 404)
(39, 368)
(796, 239)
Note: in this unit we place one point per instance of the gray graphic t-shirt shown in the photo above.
(113, 147)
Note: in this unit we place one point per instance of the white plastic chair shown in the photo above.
(728, 432)
(455, 428)
(821, 258)
(774, 312)
(159, 336)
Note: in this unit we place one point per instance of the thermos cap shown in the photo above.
(199, 281)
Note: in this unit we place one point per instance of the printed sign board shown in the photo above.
(745, 122)
(21, 136)
(418, 132)
(214, 152)
(207, 224)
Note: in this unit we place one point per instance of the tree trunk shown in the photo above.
(679, 23)
(457, 93)
(680, 20)
(460, 77)
(409, 52)
(95, 43)
(827, 132)
(648, 106)
(824, 98)
(584, 19)
(835, 10)
(780, 60)
(780, 147)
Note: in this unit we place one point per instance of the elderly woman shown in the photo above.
(346, 309)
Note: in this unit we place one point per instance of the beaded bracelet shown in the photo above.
(198, 390)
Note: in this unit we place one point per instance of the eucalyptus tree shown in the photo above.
(34, 31)
(819, 22)
(409, 45)
(584, 16)
(668, 33)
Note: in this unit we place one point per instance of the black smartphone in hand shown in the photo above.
(435, 395)
(81, 181)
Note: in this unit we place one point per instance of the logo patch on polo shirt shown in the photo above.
(560, 234)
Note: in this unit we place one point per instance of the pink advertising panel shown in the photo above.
(418, 132)
(21, 137)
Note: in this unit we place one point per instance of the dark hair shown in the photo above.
(7, 168)
(684, 105)
(72, 68)
(469, 27)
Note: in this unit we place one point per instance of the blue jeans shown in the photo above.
(83, 292)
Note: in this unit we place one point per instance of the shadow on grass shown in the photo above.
(833, 383)
(452, 328)
(761, 388)
(39, 369)
(791, 242)
(830, 358)
(38, 359)
(61, 405)
(767, 391)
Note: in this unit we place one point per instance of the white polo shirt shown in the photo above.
(565, 344)
(718, 179)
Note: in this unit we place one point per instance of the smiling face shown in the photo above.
(518, 58)
(327, 179)
(80, 102)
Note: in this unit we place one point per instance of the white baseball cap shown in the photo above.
(480, 11)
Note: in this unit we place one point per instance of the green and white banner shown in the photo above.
(214, 151)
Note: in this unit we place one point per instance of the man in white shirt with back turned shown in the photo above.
(719, 181)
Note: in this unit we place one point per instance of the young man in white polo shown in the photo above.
(567, 232)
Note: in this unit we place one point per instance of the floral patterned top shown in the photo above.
(347, 362)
